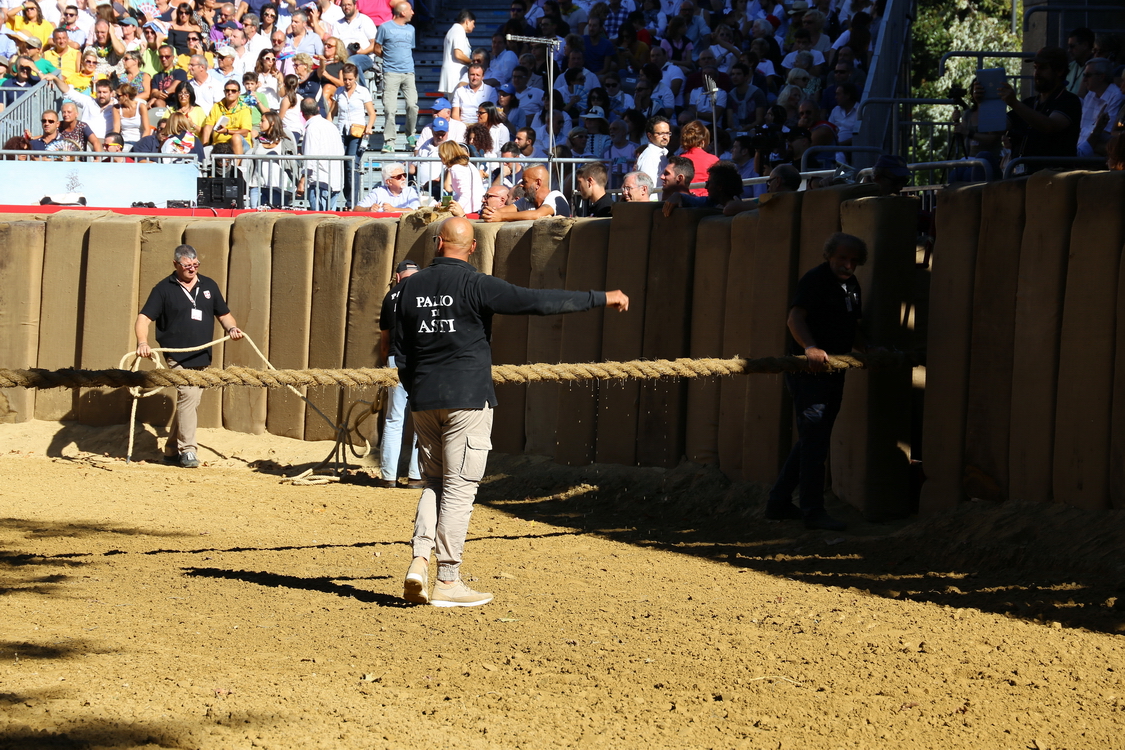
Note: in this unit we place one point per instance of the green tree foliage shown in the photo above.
(945, 25)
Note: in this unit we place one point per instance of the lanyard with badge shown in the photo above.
(196, 313)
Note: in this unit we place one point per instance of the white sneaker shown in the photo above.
(457, 594)
(416, 587)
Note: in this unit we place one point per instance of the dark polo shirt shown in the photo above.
(171, 307)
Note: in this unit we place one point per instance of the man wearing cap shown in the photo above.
(395, 42)
(33, 48)
(226, 71)
(443, 109)
(395, 195)
(185, 306)
(891, 174)
(443, 324)
(391, 442)
(428, 173)
(456, 52)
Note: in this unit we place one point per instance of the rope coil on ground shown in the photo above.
(382, 376)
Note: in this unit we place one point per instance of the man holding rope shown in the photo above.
(823, 320)
(443, 325)
(183, 306)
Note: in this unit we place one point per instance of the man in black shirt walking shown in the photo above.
(183, 306)
(443, 326)
(823, 320)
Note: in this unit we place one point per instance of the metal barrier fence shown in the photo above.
(23, 113)
(95, 156)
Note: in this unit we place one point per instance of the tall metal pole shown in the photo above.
(551, 45)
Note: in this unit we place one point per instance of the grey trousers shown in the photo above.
(186, 419)
(392, 83)
(453, 447)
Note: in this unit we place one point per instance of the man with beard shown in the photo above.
(1048, 123)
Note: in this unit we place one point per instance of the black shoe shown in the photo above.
(782, 512)
(819, 519)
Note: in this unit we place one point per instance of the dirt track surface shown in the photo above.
(149, 606)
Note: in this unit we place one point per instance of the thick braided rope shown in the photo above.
(355, 378)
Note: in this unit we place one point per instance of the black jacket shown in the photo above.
(443, 326)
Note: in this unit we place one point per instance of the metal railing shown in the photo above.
(890, 72)
(24, 112)
(1061, 9)
(301, 181)
(1053, 161)
(981, 56)
(895, 115)
(120, 157)
(832, 149)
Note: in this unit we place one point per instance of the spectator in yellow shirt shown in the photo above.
(61, 54)
(31, 22)
(230, 120)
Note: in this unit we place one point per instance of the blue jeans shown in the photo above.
(392, 435)
(275, 197)
(816, 399)
(353, 146)
(321, 197)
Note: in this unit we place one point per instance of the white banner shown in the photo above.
(103, 185)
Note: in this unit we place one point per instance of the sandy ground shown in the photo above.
(150, 606)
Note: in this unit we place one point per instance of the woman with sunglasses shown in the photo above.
(331, 63)
(84, 78)
(184, 103)
(30, 21)
(269, 77)
(195, 47)
(269, 19)
(130, 114)
(183, 26)
(135, 77)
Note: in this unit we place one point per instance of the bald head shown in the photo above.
(456, 238)
(536, 183)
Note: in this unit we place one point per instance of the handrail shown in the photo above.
(898, 100)
(23, 113)
(1090, 161)
(846, 149)
(1064, 9)
(946, 164)
(980, 55)
(87, 156)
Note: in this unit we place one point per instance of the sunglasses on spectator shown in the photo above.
(188, 266)
(45, 121)
(193, 39)
(232, 91)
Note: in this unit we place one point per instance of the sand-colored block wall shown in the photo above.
(1026, 322)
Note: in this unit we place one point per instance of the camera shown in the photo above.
(957, 94)
(353, 48)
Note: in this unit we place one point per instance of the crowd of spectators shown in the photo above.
(238, 78)
(1077, 108)
(634, 84)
